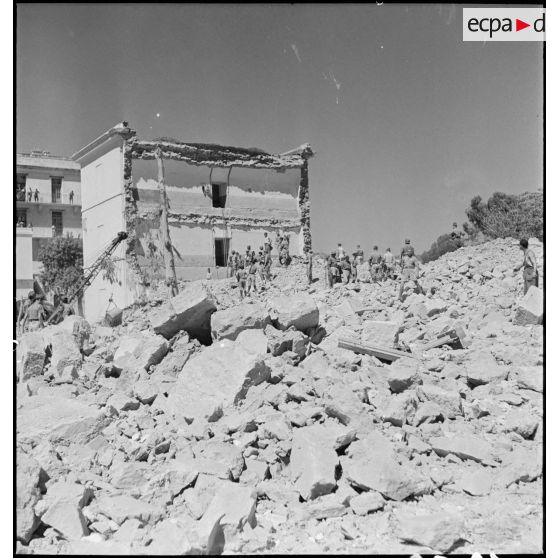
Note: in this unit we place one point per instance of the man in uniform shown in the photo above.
(251, 282)
(267, 243)
(359, 253)
(374, 263)
(230, 264)
(23, 310)
(332, 270)
(407, 250)
(410, 269)
(340, 251)
(241, 279)
(389, 262)
(529, 264)
(346, 269)
(34, 316)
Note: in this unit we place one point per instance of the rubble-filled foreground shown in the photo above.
(141, 440)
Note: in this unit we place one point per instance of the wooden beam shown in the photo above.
(384, 353)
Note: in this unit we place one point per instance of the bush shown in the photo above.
(62, 259)
(443, 245)
(507, 215)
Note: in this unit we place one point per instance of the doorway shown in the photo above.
(221, 249)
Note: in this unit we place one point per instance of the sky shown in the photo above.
(407, 121)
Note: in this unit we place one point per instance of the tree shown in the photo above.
(443, 245)
(62, 259)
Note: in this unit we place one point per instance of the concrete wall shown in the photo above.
(24, 262)
(103, 218)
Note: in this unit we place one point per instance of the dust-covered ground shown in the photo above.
(140, 439)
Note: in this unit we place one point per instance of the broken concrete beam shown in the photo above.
(190, 310)
(140, 350)
(216, 378)
(298, 310)
(30, 356)
(384, 353)
(531, 308)
(313, 461)
(380, 333)
(227, 324)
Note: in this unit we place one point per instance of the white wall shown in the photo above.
(103, 217)
(24, 263)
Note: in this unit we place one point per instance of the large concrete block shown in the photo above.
(30, 356)
(189, 310)
(217, 378)
(380, 333)
(140, 351)
(65, 352)
(227, 324)
(298, 310)
(531, 308)
(28, 493)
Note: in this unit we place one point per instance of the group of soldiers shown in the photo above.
(250, 268)
(342, 268)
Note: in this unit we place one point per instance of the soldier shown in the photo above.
(340, 251)
(332, 270)
(354, 267)
(346, 269)
(408, 250)
(34, 315)
(389, 262)
(359, 255)
(251, 281)
(308, 261)
(241, 279)
(374, 263)
(267, 243)
(410, 269)
(529, 264)
(23, 309)
(230, 264)
(267, 265)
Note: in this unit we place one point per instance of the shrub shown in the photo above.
(507, 215)
(62, 259)
(443, 245)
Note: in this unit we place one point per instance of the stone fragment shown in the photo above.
(169, 537)
(253, 340)
(30, 479)
(439, 531)
(58, 419)
(140, 350)
(483, 368)
(400, 409)
(30, 356)
(403, 374)
(217, 378)
(450, 402)
(465, 447)
(435, 306)
(176, 358)
(477, 482)
(298, 310)
(146, 391)
(521, 421)
(227, 324)
(223, 453)
(120, 507)
(313, 462)
(530, 377)
(531, 308)
(67, 519)
(65, 352)
(428, 412)
(376, 332)
(190, 310)
(277, 342)
(367, 502)
(325, 507)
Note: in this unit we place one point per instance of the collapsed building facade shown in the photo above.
(220, 199)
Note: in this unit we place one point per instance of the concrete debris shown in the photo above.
(206, 425)
(227, 324)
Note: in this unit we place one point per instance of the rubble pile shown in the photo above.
(207, 425)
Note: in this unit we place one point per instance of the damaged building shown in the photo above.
(220, 198)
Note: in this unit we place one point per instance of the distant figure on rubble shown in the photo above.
(332, 270)
(456, 232)
(374, 264)
(267, 265)
(389, 263)
(407, 250)
(340, 251)
(208, 274)
(251, 281)
(23, 310)
(33, 319)
(261, 266)
(308, 262)
(410, 269)
(241, 279)
(354, 268)
(230, 264)
(359, 253)
(267, 243)
(346, 269)
(278, 241)
(36, 196)
(529, 264)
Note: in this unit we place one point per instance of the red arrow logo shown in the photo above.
(519, 25)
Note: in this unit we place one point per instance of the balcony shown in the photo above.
(61, 201)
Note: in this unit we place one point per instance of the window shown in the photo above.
(221, 252)
(21, 218)
(56, 223)
(56, 189)
(219, 194)
(20, 187)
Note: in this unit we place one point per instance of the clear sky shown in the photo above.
(408, 122)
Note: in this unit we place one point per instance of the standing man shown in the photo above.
(241, 279)
(267, 243)
(36, 196)
(71, 196)
(359, 253)
(410, 269)
(23, 310)
(346, 269)
(267, 265)
(374, 263)
(308, 261)
(29, 194)
(389, 261)
(354, 268)
(332, 270)
(230, 265)
(529, 264)
(340, 252)
(407, 250)
(34, 315)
